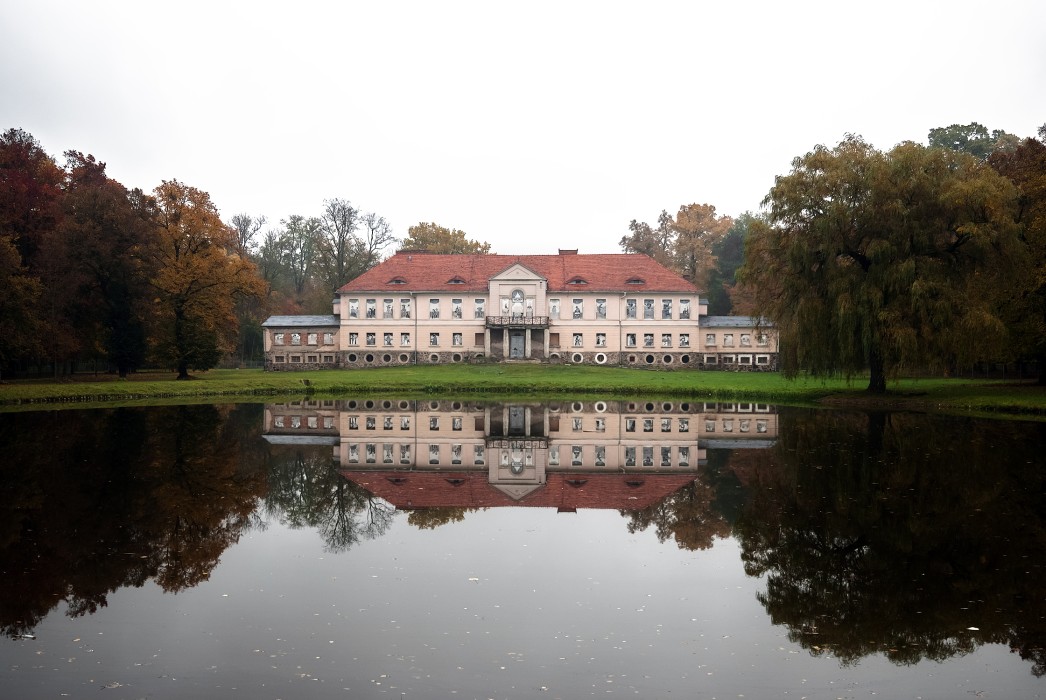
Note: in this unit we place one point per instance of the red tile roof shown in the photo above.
(431, 272)
(470, 489)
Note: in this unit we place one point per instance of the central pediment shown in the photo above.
(517, 272)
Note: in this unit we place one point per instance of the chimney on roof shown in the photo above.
(568, 251)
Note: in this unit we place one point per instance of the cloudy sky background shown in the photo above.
(531, 125)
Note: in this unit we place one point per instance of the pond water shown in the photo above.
(388, 548)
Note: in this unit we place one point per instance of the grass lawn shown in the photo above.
(528, 379)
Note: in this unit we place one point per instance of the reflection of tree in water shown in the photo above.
(99, 500)
(431, 518)
(907, 535)
(306, 490)
(695, 515)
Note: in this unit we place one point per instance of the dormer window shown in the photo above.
(455, 280)
(577, 280)
(635, 280)
(397, 280)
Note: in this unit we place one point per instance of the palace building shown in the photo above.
(425, 308)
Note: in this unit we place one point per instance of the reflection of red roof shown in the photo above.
(410, 271)
(411, 489)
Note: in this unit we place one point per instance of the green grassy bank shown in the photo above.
(543, 380)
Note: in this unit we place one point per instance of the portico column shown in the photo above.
(486, 342)
(526, 343)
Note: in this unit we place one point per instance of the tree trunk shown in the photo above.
(876, 372)
(183, 370)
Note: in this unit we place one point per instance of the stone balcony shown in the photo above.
(517, 321)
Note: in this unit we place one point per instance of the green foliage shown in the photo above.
(439, 239)
(867, 259)
(972, 138)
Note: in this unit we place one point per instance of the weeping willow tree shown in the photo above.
(872, 261)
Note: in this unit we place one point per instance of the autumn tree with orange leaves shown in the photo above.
(198, 276)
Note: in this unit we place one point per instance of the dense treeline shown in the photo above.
(95, 273)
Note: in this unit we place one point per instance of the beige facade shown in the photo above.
(582, 309)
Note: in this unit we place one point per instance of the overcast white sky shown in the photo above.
(531, 125)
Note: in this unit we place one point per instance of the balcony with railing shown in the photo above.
(517, 321)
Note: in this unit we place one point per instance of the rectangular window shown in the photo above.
(434, 339)
(277, 338)
(648, 309)
(744, 359)
(372, 339)
(478, 340)
(372, 308)
(746, 340)
(666, 340)
(630, 340)
(710, 426)
(281, 358)
(666, 425)
(762, 359)
(630, 456)
(710, 339)
(666, 308)
(386, 454)
(728, 339)
(575, 455)
(630, 308)
(601, 425)
(455, 454)
(295, 358)
(601, 456)
(761, 340)
(630, 425)
(761, 425)
(404, 308)
(648, 425)
(386, 308)
(455, 308)
(404, 454)
(601, 340)
(553, 308)
(648, 456)
(405, 339)
(433, 308)
(684, 340)
(372, 453)
(553, 456)
(684, 456)
(328, 339)
(387, 340)
(295, 338)
(577, 425)
(478, 455)
(455, 340)
(745, 424)
(710, 359)
(312, 339)
(354, 308)
(311, 358)
(666, 456)
(648, 340)
(684, 309)
(579, 340)
(328, 422)
(404, 422)
(354, 423)
(372, 422)
(728, 359)
(386, 422)
(455, 423)
(481, 308)
(354, 338)
(684, 425)
(433, 454)
(578, 308)
(601, 308)
(354, 453)
(433, 422)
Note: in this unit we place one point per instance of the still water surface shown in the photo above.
(417, 549)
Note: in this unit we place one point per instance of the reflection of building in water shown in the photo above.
(421, 453)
